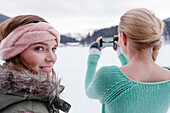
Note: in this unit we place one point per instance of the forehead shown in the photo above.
(52, 42)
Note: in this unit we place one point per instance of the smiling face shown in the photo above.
(41, 56)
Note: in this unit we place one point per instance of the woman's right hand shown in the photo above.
(98, 41)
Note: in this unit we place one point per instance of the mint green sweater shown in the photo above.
(120, 94)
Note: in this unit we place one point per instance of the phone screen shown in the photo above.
(107, 42)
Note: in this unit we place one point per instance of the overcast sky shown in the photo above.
(82, 16)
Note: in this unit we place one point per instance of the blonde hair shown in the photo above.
(143, 28)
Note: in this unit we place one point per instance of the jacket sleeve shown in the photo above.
(27, 106)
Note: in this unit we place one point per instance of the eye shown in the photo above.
(39, 48)
(54, 49)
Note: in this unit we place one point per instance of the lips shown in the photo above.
(46, 69)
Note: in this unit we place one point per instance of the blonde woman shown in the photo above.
(140, 85)
(28, 83)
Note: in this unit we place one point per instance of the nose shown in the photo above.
(51, 57)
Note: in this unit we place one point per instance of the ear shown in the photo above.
(124, 38)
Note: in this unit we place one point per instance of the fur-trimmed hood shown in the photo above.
(28, 85)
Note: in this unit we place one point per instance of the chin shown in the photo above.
(46, 74)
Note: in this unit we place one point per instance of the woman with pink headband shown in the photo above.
(28, 82)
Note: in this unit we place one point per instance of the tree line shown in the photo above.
(110, 32)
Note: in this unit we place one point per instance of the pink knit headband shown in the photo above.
(19, 39)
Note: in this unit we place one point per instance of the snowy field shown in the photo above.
(71, 67)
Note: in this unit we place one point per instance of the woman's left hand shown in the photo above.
(116, 42)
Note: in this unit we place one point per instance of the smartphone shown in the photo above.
(109, 41)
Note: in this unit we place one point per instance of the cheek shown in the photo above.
(55, 58)
(35, 60)
(32, 59)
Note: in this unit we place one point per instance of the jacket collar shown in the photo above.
(25, 85)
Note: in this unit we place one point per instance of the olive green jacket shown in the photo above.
(24, 92)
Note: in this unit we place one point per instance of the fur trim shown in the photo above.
(30, 85)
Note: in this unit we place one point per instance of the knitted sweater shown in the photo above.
(120, 94)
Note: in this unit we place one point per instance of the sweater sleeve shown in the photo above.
(97, 84)
(167, 67)
(91, 70)
(123, 59)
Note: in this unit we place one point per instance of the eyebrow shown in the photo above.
(43, 44)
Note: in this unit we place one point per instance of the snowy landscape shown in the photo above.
(71, 68)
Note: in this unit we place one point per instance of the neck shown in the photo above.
(143, 56)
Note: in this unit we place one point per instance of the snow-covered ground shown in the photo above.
(71, 67)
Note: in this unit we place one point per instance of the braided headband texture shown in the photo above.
(19, 39)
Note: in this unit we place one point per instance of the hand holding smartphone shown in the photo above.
(109, 42)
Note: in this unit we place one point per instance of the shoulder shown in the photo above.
(108, 72)
(165, 73)
(11, 103)
(108, 69)
(31, 106)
